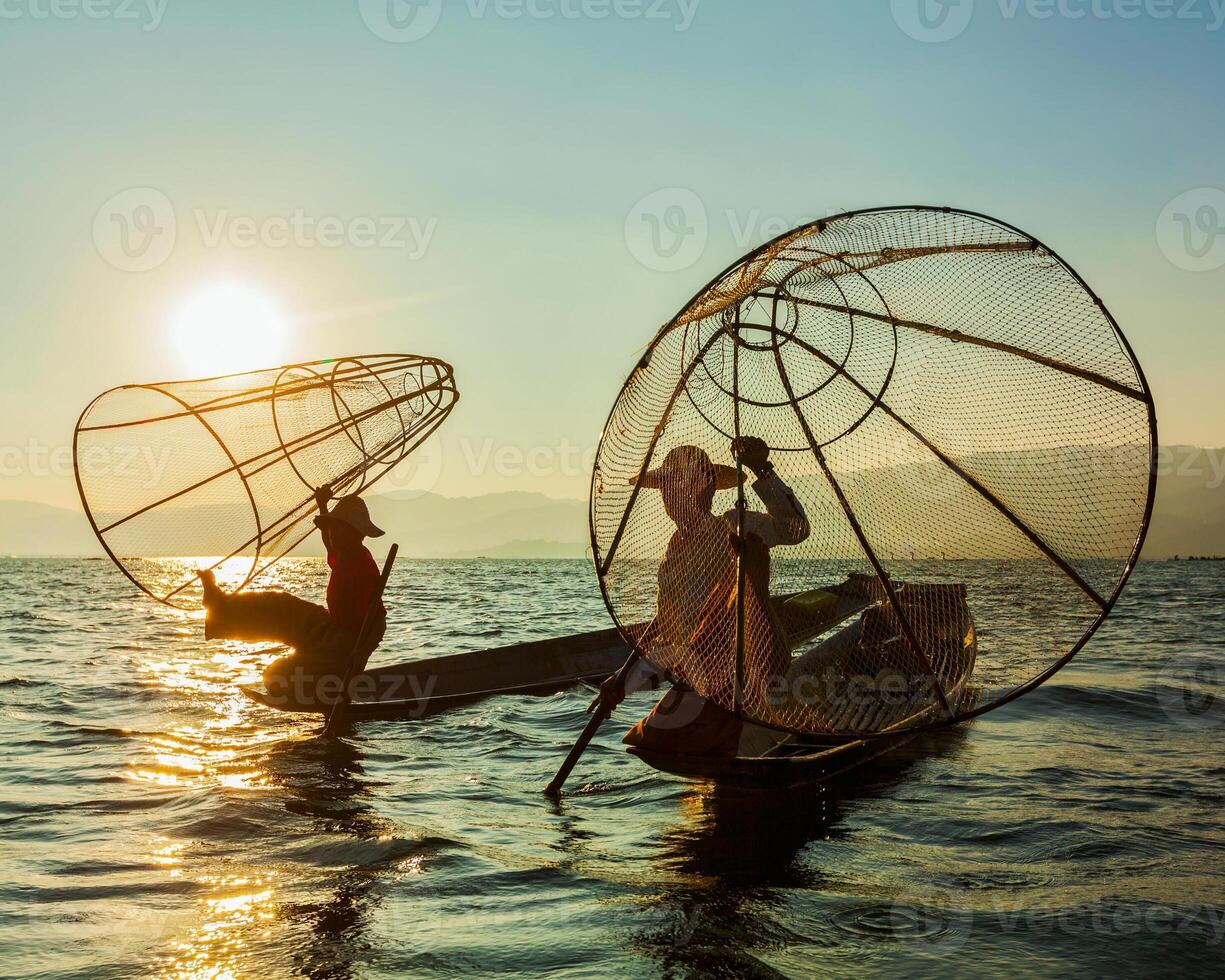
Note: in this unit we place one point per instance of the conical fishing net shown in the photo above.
(970, 443)
(220, 473)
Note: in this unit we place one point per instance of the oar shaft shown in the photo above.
(604, 707)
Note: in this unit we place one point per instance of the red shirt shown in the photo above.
(352, 585)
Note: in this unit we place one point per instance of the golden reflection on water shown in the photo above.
(225, 746)
(213, 948)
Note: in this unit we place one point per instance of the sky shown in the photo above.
(496, 183)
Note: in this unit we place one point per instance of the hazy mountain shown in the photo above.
(1188, 519)
(36, 529)
(519, 525)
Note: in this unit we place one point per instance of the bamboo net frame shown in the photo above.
(966, 429)
(226, 467)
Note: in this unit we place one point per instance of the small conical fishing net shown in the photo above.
(220, 473)
(970, 445)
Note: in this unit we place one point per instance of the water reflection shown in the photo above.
(270, 786)
(250, 909)
(739, 850)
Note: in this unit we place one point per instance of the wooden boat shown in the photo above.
(886, 723)
(425, 687)
(418, 689)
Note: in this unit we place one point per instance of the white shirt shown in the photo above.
(697, 561)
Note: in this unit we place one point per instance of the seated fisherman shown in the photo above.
(693, 637)
(324, 640)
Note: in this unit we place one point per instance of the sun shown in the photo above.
(227, 327)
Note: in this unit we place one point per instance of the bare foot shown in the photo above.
(212, 592)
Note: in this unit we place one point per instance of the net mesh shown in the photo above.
(968, 445)
(172, 472)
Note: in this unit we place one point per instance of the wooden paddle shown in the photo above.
(337, 715)
(600, 710)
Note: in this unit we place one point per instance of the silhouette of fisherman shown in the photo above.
(693, 638)
(323, 639)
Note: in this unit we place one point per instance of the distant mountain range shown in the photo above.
(1189, 519)
(497, 525)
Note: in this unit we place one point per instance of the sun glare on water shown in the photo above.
(228, 327)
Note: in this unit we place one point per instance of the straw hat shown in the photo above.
(352, 510)
(688, 463)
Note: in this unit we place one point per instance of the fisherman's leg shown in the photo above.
(315, 673)
(263, 617)
(306, 679)
(685, 723)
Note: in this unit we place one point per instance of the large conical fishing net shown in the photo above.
(220, 473)
(963, 424)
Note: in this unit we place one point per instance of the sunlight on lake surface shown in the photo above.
(156, 822)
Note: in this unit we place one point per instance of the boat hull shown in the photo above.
(425, 687)
(799, 760)
(816, 765)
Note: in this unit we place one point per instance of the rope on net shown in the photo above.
(224, 469)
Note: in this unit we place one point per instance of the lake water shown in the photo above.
(155, 823)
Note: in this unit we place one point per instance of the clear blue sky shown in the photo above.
(522, 144)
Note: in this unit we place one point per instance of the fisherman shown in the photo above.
(694, 635)
(324, 640)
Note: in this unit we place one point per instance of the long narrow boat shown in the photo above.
(418, 689)
(425, 687)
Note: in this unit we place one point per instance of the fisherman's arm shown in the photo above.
(642, 675)
(784, 521)
(322, 519)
